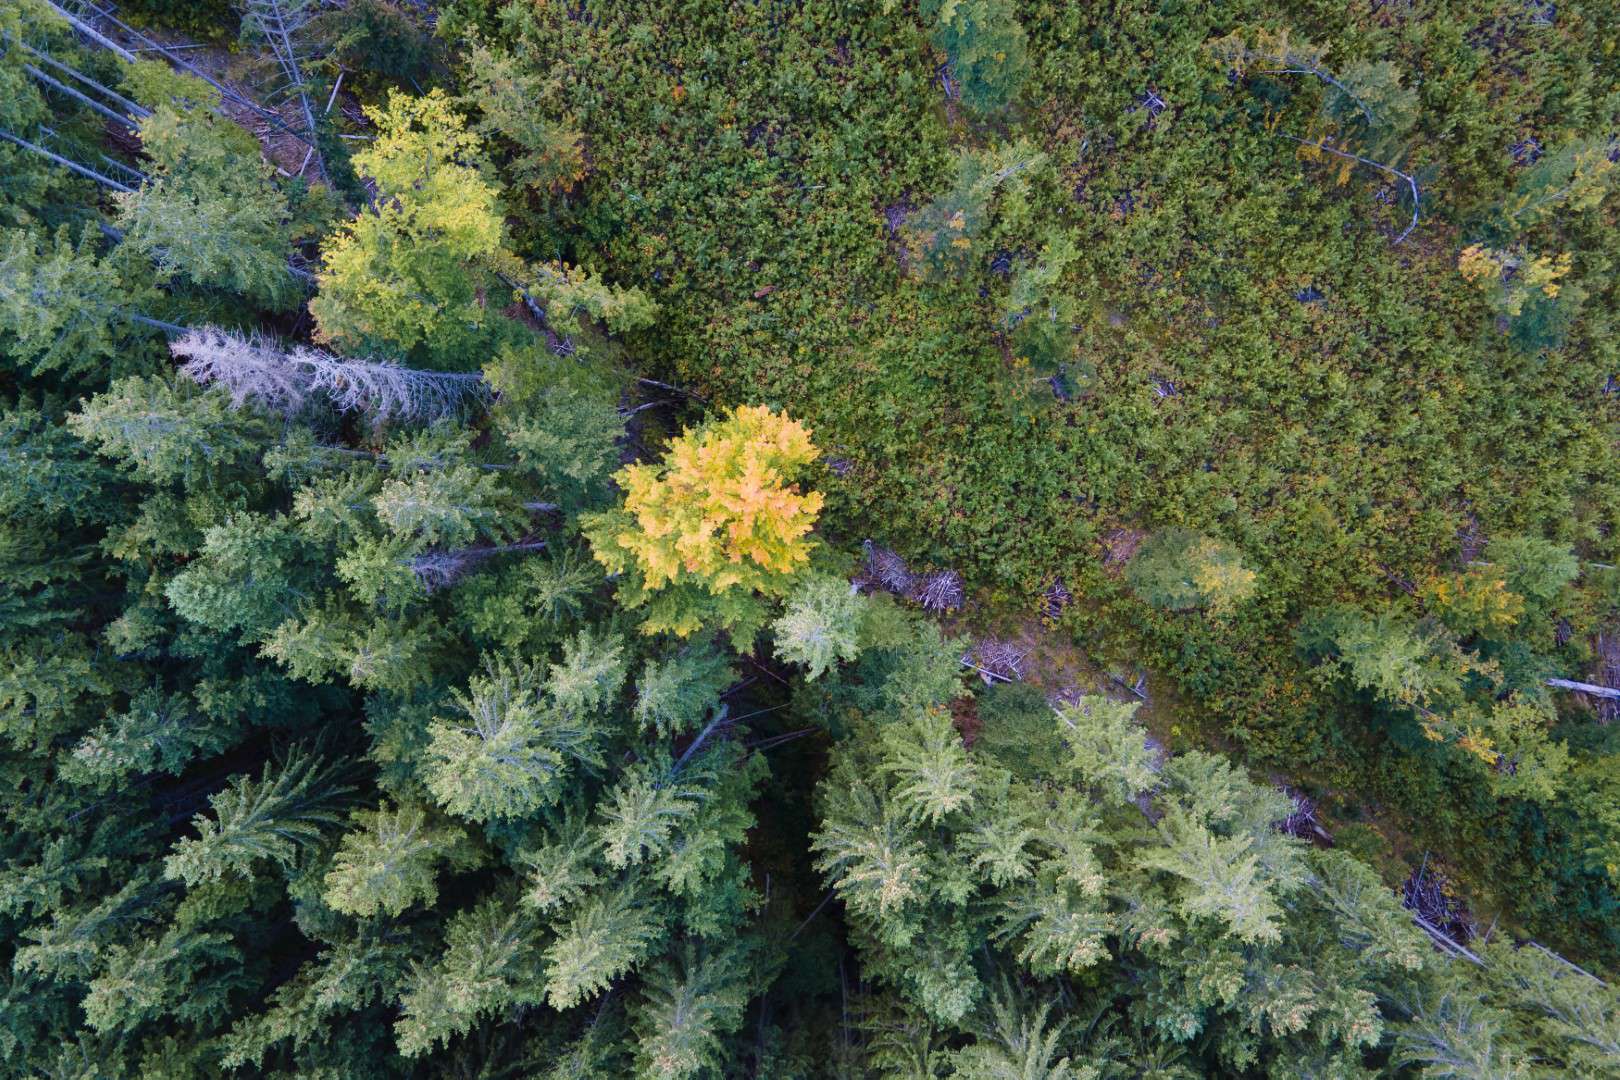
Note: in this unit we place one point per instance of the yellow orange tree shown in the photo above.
(707, 535)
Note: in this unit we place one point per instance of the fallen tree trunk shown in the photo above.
(1584, 688)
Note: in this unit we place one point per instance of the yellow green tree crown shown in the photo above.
(719, 519)
(398, 274)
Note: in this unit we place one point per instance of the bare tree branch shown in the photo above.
(719, 718)
(1584, 688)
(131, 108)
(82, 170)
(694, 395)
(1439, 938)
(440, 569)
(92, 33)
(1410, 181)
(1572, 966)
(83, 99)
(257, 368)
(277, 21)
(145, 320)
(1331, 81)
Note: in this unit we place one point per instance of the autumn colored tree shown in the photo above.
(715, 529)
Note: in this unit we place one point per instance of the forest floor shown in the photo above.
(1052, 662)
(246, 75)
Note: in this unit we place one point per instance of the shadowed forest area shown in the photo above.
(718, 539)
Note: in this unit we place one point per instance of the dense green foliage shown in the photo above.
(436, 639)
(1241, 347)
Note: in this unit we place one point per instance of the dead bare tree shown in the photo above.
(257, 368)
(84, 99)
(66, 163)
(130, 108)
(279, 22)
(86, 28)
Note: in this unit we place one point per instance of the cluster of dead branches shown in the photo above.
(1429, 895)
(256, 368)
(996, 660)
(937, 590)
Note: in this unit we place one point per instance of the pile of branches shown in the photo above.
(1302, 820)
(1055, 599)
(938, 591)
(996, 661)
(1435, 905)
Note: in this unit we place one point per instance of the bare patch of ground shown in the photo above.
(1118, 547)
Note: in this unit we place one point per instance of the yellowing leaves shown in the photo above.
(721, 511)
(1223, 580)
(721, 497)
(398, 273)
(1475, 601)
(1510, 276)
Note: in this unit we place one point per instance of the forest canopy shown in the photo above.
(703, 540)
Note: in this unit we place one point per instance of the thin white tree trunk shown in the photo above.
(130, 107)
(1584, 688)
(92, 33)
(61, 87)
(64, 162)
